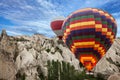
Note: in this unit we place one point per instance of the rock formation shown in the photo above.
(23, 55)
(115, 76)
(110, 63)
(27, 56)
(7, 52)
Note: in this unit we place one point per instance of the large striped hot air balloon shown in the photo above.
(89, 33)
(56, 26)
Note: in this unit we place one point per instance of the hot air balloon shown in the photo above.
(56, 26)
(89, 33)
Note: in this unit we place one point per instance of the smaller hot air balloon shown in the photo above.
(56, 26)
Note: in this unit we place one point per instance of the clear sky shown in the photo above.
(26, 17)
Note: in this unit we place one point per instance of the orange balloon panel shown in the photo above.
(88, 61)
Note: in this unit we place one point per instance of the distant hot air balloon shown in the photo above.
(89, 33)
(56, 26)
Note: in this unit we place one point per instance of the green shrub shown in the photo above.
(23, 77)
(100, 77)
(48, 50)
(20, 76)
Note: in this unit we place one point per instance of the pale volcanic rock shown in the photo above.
(28, 55)
(110, 63)
(115, 76)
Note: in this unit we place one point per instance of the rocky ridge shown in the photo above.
(23, 55)
(110, 63)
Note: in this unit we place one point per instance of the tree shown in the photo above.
(65, 71)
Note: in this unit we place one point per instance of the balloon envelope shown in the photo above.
(89, 33)
(56, 26)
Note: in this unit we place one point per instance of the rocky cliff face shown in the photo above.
(23, 55)
(7, 52)
(28, 55)
(110, 63)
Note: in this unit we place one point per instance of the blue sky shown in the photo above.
(26, 17)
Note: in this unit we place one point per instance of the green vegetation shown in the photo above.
(21, 39)
(23, 77)
(118, 37)
(64, 71)
(20, 76)
(100, 77)
(40, 74)
(48, 50)
(57, 49)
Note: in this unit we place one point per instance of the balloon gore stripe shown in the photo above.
(89, 33)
